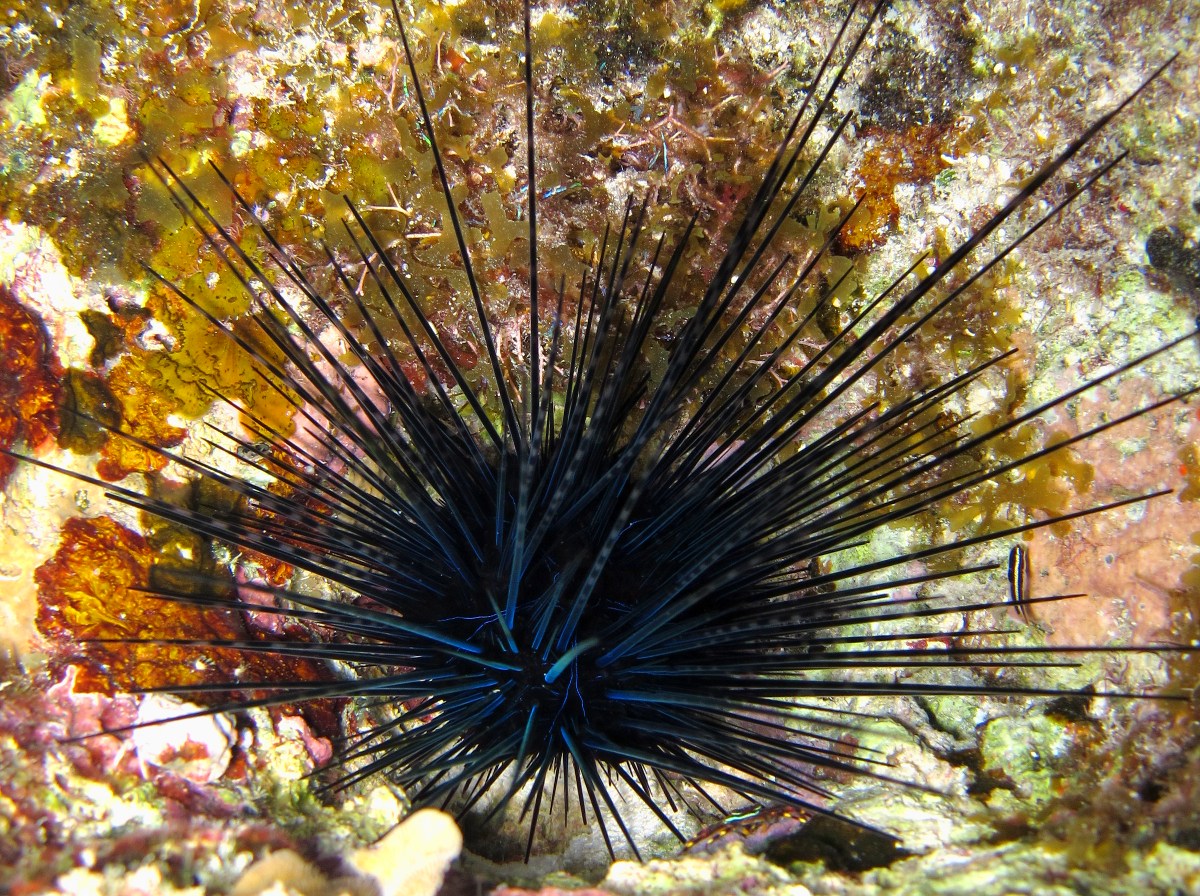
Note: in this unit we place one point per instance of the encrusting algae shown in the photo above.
(302, 104)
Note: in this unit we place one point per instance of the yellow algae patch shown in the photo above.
(112, 128)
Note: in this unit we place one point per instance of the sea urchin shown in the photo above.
(587, 571)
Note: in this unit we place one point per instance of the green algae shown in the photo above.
(1030, 755)
(23, 106)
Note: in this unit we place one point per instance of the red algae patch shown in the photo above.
(30, 380)
(914, 155)
(89, 591)
(1121, 560)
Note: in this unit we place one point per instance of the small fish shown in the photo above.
(755, 829)
(1018, 582)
